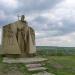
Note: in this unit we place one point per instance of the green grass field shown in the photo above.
(59, 65)
(61, 61)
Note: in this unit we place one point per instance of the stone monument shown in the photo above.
(18, 39)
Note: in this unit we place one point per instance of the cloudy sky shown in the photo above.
(52, 20)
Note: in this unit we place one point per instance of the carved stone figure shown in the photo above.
(18, 38)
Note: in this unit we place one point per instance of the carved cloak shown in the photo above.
(18, 38)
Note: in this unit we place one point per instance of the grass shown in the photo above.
(59, 65)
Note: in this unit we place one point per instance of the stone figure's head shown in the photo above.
(22, 18)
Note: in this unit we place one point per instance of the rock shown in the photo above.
(18, 39)
(14, 73)
(43, 73)
(24, 60)
(33, 65)
(37, 69)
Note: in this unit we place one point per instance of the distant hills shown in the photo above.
(53, 50)
(53, 47)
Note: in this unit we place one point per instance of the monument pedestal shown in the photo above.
(33, 64)
(24, 60)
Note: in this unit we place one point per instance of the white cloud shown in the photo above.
(43, 34)
(46, 19)
(65, 9)
(48, 15)
(66, 40)
(9, 3)
(2, 15)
